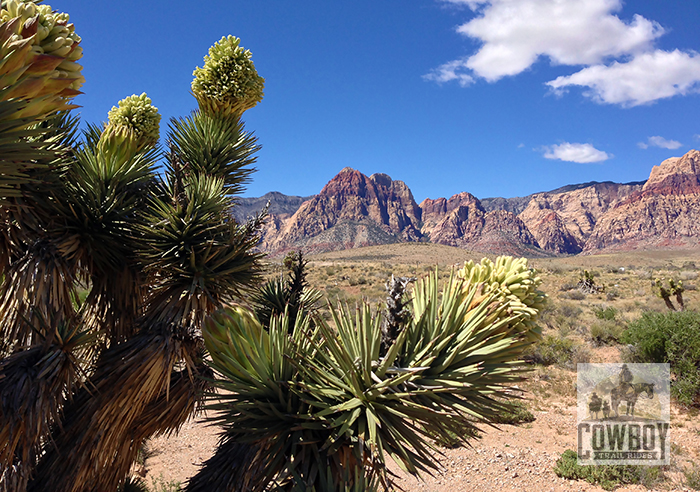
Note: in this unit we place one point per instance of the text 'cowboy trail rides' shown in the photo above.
(623, 414)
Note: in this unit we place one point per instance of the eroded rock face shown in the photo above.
(562, 222)
(664, 213)
(461, 221)
(352, 197)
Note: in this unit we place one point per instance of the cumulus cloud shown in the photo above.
(621, 64)
(515, 33)
(575, 152)
(660, 142)
(646, 78)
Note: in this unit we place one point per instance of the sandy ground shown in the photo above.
(512, 458)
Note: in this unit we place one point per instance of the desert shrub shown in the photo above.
(580, 355)
(567, 286)
(691, 287)
(551, 350)
(516, 413)
(692, 476)
(574, 295)
(689, 275)
(607, 476)
(612, 295)
(605, 332)
(161, 485)
(570, 310)
(671, 337)
(608, 312)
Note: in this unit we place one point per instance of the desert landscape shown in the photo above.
(577, 328)
(494, 249)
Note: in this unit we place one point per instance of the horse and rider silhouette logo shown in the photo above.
(616, 397)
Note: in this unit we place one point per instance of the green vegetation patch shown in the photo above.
(674, 338)
(607, 476)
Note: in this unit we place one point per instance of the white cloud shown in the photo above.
(644, 79)
(660, 142)
(575, 152)
(616, 59)
(450, 71)
(515, 33)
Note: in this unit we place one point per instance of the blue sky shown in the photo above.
(493, 97)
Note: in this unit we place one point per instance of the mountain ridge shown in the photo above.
(355, 210)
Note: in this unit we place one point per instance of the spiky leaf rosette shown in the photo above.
(134, 124)
(323, 398)
(515, 284)
(202, 143)
(195, 258)
(228, 84)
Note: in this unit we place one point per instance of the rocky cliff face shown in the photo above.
(462, 221)
(562, 222)
(664, 213)
(351, 197)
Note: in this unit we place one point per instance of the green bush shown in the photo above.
(517, 413)
(551, 350)
(674, 338)
(606, 332)
(607, 476)
(607, 313)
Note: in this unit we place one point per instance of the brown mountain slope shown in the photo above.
(664, 213)
(562, 222)
(378, 202)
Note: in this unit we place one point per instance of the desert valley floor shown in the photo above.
(512, 457)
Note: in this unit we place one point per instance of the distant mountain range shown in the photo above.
(354, 210)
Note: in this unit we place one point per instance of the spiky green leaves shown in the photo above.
(228, 84)
(134, 124)
(326, 399)
(202, 143)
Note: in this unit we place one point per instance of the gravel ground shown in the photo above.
(511, 458)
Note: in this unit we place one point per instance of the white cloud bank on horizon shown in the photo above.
(575, 152)
(621, 64)
(661, 142)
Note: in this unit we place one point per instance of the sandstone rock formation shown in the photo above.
(664, 213)
(378, 202)
(462, 221)
(355, 210)
(562, 222)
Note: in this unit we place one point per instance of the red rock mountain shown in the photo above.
(562, 222)
(383, 209)
(664, 213)
(355, 210)
(462, 221)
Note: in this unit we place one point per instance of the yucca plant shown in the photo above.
(321, 407)
(84, 383)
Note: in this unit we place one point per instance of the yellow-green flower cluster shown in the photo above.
(134, 122)
(515, 285)
(38, 57)
(228, 84)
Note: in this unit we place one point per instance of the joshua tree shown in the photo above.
(85, 379)
(673, 288)
(312, 407)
